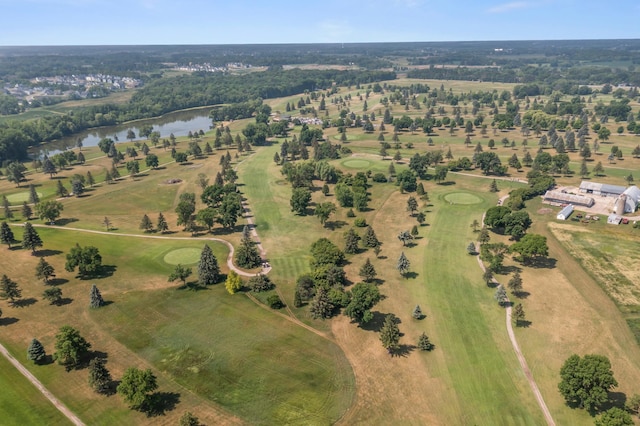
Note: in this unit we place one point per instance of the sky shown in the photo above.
(136, 22)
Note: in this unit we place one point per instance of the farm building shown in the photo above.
(565, 212)
(566, 198)
(632, 195)
(602, 189)
(614, 219)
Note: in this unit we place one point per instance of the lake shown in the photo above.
(179, 123)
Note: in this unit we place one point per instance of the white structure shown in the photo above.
(632, 194)
(563, 197)
(614, 219)
(602, 189)
(565, 213)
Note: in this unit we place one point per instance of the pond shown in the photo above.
(179, 123)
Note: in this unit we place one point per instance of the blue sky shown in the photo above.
(87, 22)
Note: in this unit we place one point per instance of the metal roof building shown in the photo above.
(566, 198)
(602, 189)
(565, 213)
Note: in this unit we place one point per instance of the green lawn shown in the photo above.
(21, 403)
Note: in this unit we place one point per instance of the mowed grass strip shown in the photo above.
(227, 349)
(21, 403)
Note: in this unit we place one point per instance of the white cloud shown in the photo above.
(507, 7)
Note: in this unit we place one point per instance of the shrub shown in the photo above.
(274, 302)
(360, 222)
(379, 177)
(259, 283)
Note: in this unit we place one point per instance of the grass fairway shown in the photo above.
(21, 403)
(225, 348)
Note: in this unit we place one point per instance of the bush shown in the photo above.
(274, 302)
(360, 222)
(350, 213)
(259, 283)
(379, 177)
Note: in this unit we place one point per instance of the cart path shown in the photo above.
(55, 401)
(160, 237)
(516, 347)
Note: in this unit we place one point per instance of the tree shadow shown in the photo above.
(616, 399)
(158, 403)
(403, 351)
(542, 262)
(375, 323)
(410, 275)
(63, 301)
(23, 303)
(8, 321)
(447, 183)
(335, 224)
(65, 221)
(48, 252)
(104, 272)
(521, 294)
(511, 269)
(523, 323)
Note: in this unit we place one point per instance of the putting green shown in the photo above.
(356, 164)
(183, 256)
(20, 197)
(462, 198)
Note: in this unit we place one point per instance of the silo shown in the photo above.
(620, 204)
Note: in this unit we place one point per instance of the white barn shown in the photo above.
(565, 213)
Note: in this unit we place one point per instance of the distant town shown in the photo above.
(207, 67)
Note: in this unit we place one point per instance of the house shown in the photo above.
(565, 212)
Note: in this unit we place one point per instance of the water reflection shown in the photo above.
(179, 123)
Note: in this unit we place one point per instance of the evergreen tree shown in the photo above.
(26, 211)
(367, 271)
(515, 283)
(351, 241)
(6, 234)
(247, 255)
(53, 295)
(61, 191)
(208, 269)
(414, 231)
(44, 270)
(518, 314)
(501, 295)
(417, 312)
(30, 238)
(145, 224)
(188, 419)
(424, 344)
(95, 298)
(90, 179)
(99, 377)
(36, 352)
(162, 225)
(471, 248)
(370, 239)
(33, 195)
(321, 306)
(390, 333)
(403, 264)
(233, 283)
(8, 214)
(494, 186)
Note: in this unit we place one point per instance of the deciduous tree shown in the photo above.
(135, 387)
(49, 210)
(180, 273)
(586, 381)
(71, 347)
(53, 295)
(87, 259)
(233, 283)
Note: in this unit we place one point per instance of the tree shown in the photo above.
(515, 283)
(324, 211)
(208, 268)
(44, 270)
(9, 289)
(77, 187)
(390, 333)
(405, 236)
(61, 191)
(421, 218)
(34, 198)
(632, 404)
(247, 255)
(363, 297)
(30, 238)
(440, 173)
(53, 295)
(152, 161)
(424, 344)
(417, 313)
(71, 347)
(501, 295)
(180, 273)
(184, 211)
(135, 387)
(403, 264)
(15, 172)
(598, 170)
(49, 168)
(27, 211)
(145, 224)
(87, 259)
(629, 179)
(412, 205)
(614, 417)
(586, 381)
(95, 297)
(494, 186)
(107, 223)
(531, 246)
(188, 419)
(6, 234)
(36, 352)
(99, 377)
(8, 214)
(162, 225)
(300, 199)
(181, 157)
(133, 167)
(49, 210)
(351, 241)
(475, 225)
(233, 283)
(367, 271)
(321, 306)
(518, 314)
(471, 248)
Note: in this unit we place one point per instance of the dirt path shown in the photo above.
(159, 237)
(55, 401)
(516, 347)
